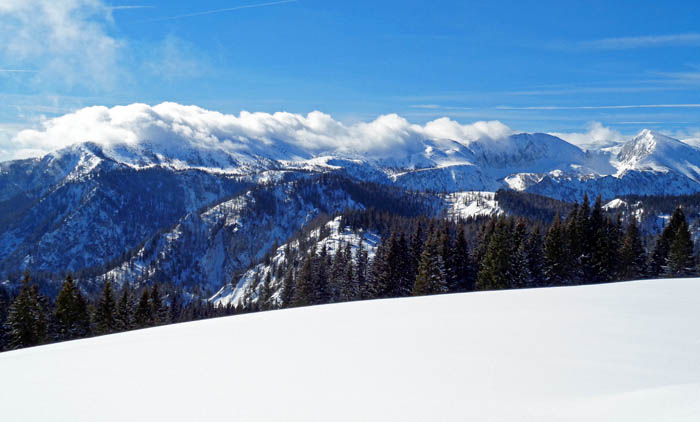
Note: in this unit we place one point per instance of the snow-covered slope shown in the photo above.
(331, 240)
(653, 151)
(472, 204)
(625, 352)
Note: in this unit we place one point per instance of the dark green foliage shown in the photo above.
(681, 261)
(464, 272)
(159, 312)
(72, 315)
(124, 318)
(143, 314)
(106, 311)
(304, 289)
(431, 278)
(632, 255)
(497, 269)
(265, 300)
(26, 319)
(288, 285)
(673, 251)
(535, 258)
(556, 256)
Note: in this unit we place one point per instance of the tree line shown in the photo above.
(416, 256)
(31, 318)
(422, 256)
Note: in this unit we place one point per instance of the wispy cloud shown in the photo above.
(17, 71)
(601, 107)
(129, 7)
(215, 11)
(644, 41)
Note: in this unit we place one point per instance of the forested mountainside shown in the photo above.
(370, 253)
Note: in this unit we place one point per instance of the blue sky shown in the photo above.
(534, 65)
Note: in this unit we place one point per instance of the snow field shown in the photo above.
(616, 352)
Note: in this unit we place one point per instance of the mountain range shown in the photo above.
(146, 193)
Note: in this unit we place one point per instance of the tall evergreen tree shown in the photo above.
(465, 274)
(321, 269)
(337, 273)
(431, 277)
(72, 314)
(349, 288)
(535, 258)
(124, 318)
(519, 256)
(556, 261)
(159, 312)
(265, 292)
(632, 255)
(681, 260)
(379, 272)
(362, 283)
(304, 289)
(26, 320)
(658, 262)
(287, 294)
(447, 253)
(106, 311)
(497, 266)
(143, 314)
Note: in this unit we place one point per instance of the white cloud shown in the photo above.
(172, 125)
(597, 136)
(67, 43)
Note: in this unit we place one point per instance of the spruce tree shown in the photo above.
(361, 281)
(535, 258)
(658, 263)
(497, 266)
(304, 289)
(448, 258)
(265, 292)
(321, 268)
(72, 315)
(681, 261)
(106, 311)
(337, 272)
(124, 318)
(158, 309)
(26, 320)
(555, 255)
(431, 277)
(143, 314)
(465, 275)
(632, 255)
(349, 289)
(379, 272)
(287, 295)
(519, 256)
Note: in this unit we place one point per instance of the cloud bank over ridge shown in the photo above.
(171, 125)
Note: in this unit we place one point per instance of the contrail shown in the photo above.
(17, 71)
(211, 12)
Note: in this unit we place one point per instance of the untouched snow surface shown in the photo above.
(615, 352)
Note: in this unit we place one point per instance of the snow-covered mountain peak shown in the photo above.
(651, 150)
